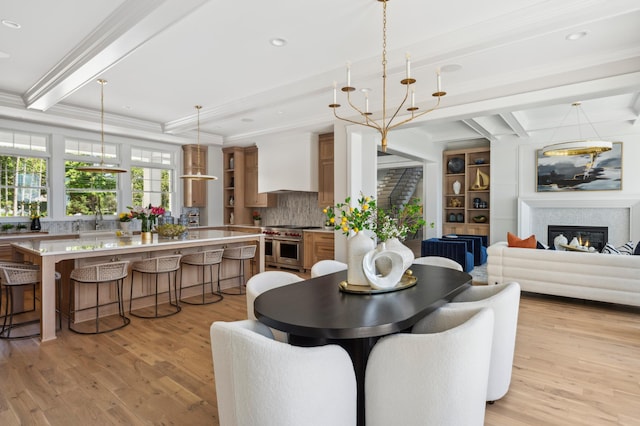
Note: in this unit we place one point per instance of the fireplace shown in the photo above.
(593, 236)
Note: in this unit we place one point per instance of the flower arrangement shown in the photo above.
(147, 215)
(125, 217)
(256, 215)
(400, 222)
(356, 218)
(330, 219)
(34, 210)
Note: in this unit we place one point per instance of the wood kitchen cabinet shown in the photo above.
(325, 170)
(318, 246)
(194, 161)
(253, 198)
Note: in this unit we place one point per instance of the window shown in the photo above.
(23, 176)
(89, 193)
(152, 185)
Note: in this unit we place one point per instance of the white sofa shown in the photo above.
(592, 276)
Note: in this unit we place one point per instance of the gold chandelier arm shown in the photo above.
(414, 116)
(359, 123)
(388, 125)
(367, 122)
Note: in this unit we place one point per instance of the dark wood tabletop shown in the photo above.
(315, 312)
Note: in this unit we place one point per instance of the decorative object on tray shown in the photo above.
(480, 219)
(407, 281)
(455, 202)
(169, 230)
(583, 249)
(559, 241)
(456, 187)
(455, 165)
(479, 161)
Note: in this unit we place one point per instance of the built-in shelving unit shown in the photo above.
(469, 210)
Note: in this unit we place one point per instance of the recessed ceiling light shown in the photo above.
(247, 120)
(576, 36)
(450, 68)
(278, 42)
(10, 24)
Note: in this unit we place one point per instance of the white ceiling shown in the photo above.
(518, 72)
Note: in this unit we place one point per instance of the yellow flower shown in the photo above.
(365, 207)
(324, 211)
(344, 219)
(345, 229)
(355, 229)
(332, 220)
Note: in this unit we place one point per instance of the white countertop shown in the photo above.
(108, 242)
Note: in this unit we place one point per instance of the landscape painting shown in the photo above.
(580, 172)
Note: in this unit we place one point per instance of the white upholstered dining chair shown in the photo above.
(324, 267)
(504, 300)
(438, 261)
(434, 376)
(263, 382)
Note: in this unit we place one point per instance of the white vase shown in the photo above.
(396, 245)
(125, 226)
(358, 246)
(456, 187)
(560, 239)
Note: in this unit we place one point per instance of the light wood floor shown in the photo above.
(575, 364)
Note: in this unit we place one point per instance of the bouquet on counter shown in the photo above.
(147, 215)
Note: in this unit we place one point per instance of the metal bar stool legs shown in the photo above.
(241, 254)
(157, 265)
(202, 259)
(99, 275)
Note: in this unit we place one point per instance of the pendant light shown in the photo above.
(102, 168)
(581, 146)
(198, 175)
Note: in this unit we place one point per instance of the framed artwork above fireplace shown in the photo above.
(580, 172)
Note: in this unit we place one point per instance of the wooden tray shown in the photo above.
(407, 280)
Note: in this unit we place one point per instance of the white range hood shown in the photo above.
(288, 163)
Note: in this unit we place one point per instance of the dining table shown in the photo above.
(319, 311)
(93, 246)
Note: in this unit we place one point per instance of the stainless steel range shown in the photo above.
(283, 246)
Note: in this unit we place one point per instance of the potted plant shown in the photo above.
(256, 218)
(6, 227)
(21, 227)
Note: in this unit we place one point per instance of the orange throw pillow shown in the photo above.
(514, 241)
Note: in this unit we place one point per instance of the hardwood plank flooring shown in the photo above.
(576, 363)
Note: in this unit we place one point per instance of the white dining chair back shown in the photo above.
(438, 261)
(504, 300)
(325, 267)
(435, 377)
(262, 382)
(264, 281)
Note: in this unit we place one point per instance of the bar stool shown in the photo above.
(241, 254)
(203, 259)
(12, 278)
(18, 275)
(155, 266)
(98, 275)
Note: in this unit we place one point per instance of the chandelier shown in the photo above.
(581, 146)
(198, 175)
(384, 125)
(102, 168)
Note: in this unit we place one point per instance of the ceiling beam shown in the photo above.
(131, 25)
(478, 128)
(515, 124)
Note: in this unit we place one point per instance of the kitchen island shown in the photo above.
(106, 247)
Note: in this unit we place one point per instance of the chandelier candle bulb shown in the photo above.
(335, 99)
(366, 102)
(408, 66)
(348, 74)
(413, 98)
(439, 83)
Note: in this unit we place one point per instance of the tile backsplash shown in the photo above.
(294, 208)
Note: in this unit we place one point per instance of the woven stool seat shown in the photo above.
(15, 278)
(240, 254)
(203, 259)
(100, 274)
(157, 265)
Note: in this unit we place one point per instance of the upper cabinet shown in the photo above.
(195, 191)
(253, 198)
(466, 191)
(325, 170)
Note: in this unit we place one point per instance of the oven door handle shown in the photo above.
(288, 240)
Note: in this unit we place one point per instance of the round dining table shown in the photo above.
(317, 312)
